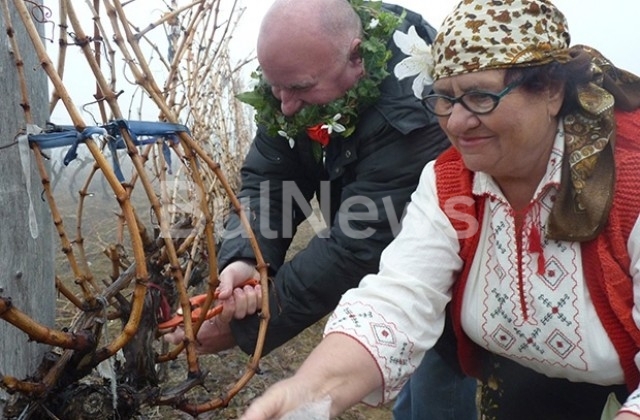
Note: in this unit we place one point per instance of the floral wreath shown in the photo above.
(340, 116)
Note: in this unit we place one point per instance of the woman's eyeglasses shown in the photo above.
(478, 102)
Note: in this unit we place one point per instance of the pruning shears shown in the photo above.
(196, 310)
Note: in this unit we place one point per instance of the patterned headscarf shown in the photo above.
(497, 34)
(500, 34)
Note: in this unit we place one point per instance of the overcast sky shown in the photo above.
(612, 27)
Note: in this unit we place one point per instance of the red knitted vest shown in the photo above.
(605, 258)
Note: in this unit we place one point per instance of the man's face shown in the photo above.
(310, 76)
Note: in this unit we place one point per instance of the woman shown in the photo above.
(528, 225)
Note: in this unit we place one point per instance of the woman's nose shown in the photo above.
(460, 119)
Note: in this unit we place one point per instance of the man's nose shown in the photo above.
(290, 104)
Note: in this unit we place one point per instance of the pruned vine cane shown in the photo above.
(142, 258)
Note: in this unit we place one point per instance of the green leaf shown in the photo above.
(253, 98)
(375, 55)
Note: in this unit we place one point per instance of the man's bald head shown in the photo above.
(308, 24)
(309, 51)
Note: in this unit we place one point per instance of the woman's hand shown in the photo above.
(626, 416)
(339, 368)
(280, 399)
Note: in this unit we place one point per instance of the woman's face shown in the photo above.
(513, 140)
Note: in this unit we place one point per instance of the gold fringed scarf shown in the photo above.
(588, 174)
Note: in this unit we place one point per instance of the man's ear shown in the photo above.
(354, 51)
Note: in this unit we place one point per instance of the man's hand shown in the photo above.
(239, 302)
(215, 334)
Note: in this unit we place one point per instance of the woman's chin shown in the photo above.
(476, 163)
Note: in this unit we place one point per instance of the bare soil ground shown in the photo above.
(225, 368)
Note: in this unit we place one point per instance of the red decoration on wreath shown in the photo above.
(319, 133)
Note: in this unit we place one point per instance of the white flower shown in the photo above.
(374, 23)
(419, 62)
(334, 125)
(284, 134)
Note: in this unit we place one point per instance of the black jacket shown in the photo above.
(378, 165)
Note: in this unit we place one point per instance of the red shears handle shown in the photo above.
(196, 311)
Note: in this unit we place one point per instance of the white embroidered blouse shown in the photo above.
(545, 321)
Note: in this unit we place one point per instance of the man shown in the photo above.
(362, 160)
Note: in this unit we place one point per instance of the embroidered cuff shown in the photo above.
(391, 349)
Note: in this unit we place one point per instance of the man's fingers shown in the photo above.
(215, 335)
(247, 301)
(228, 310)
(175, 337)
(254, 300)
(235, 274)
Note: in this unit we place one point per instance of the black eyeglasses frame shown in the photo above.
(495, 97)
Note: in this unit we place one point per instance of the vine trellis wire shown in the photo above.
(150, 262)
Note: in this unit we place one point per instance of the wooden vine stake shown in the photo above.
(150, 264)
